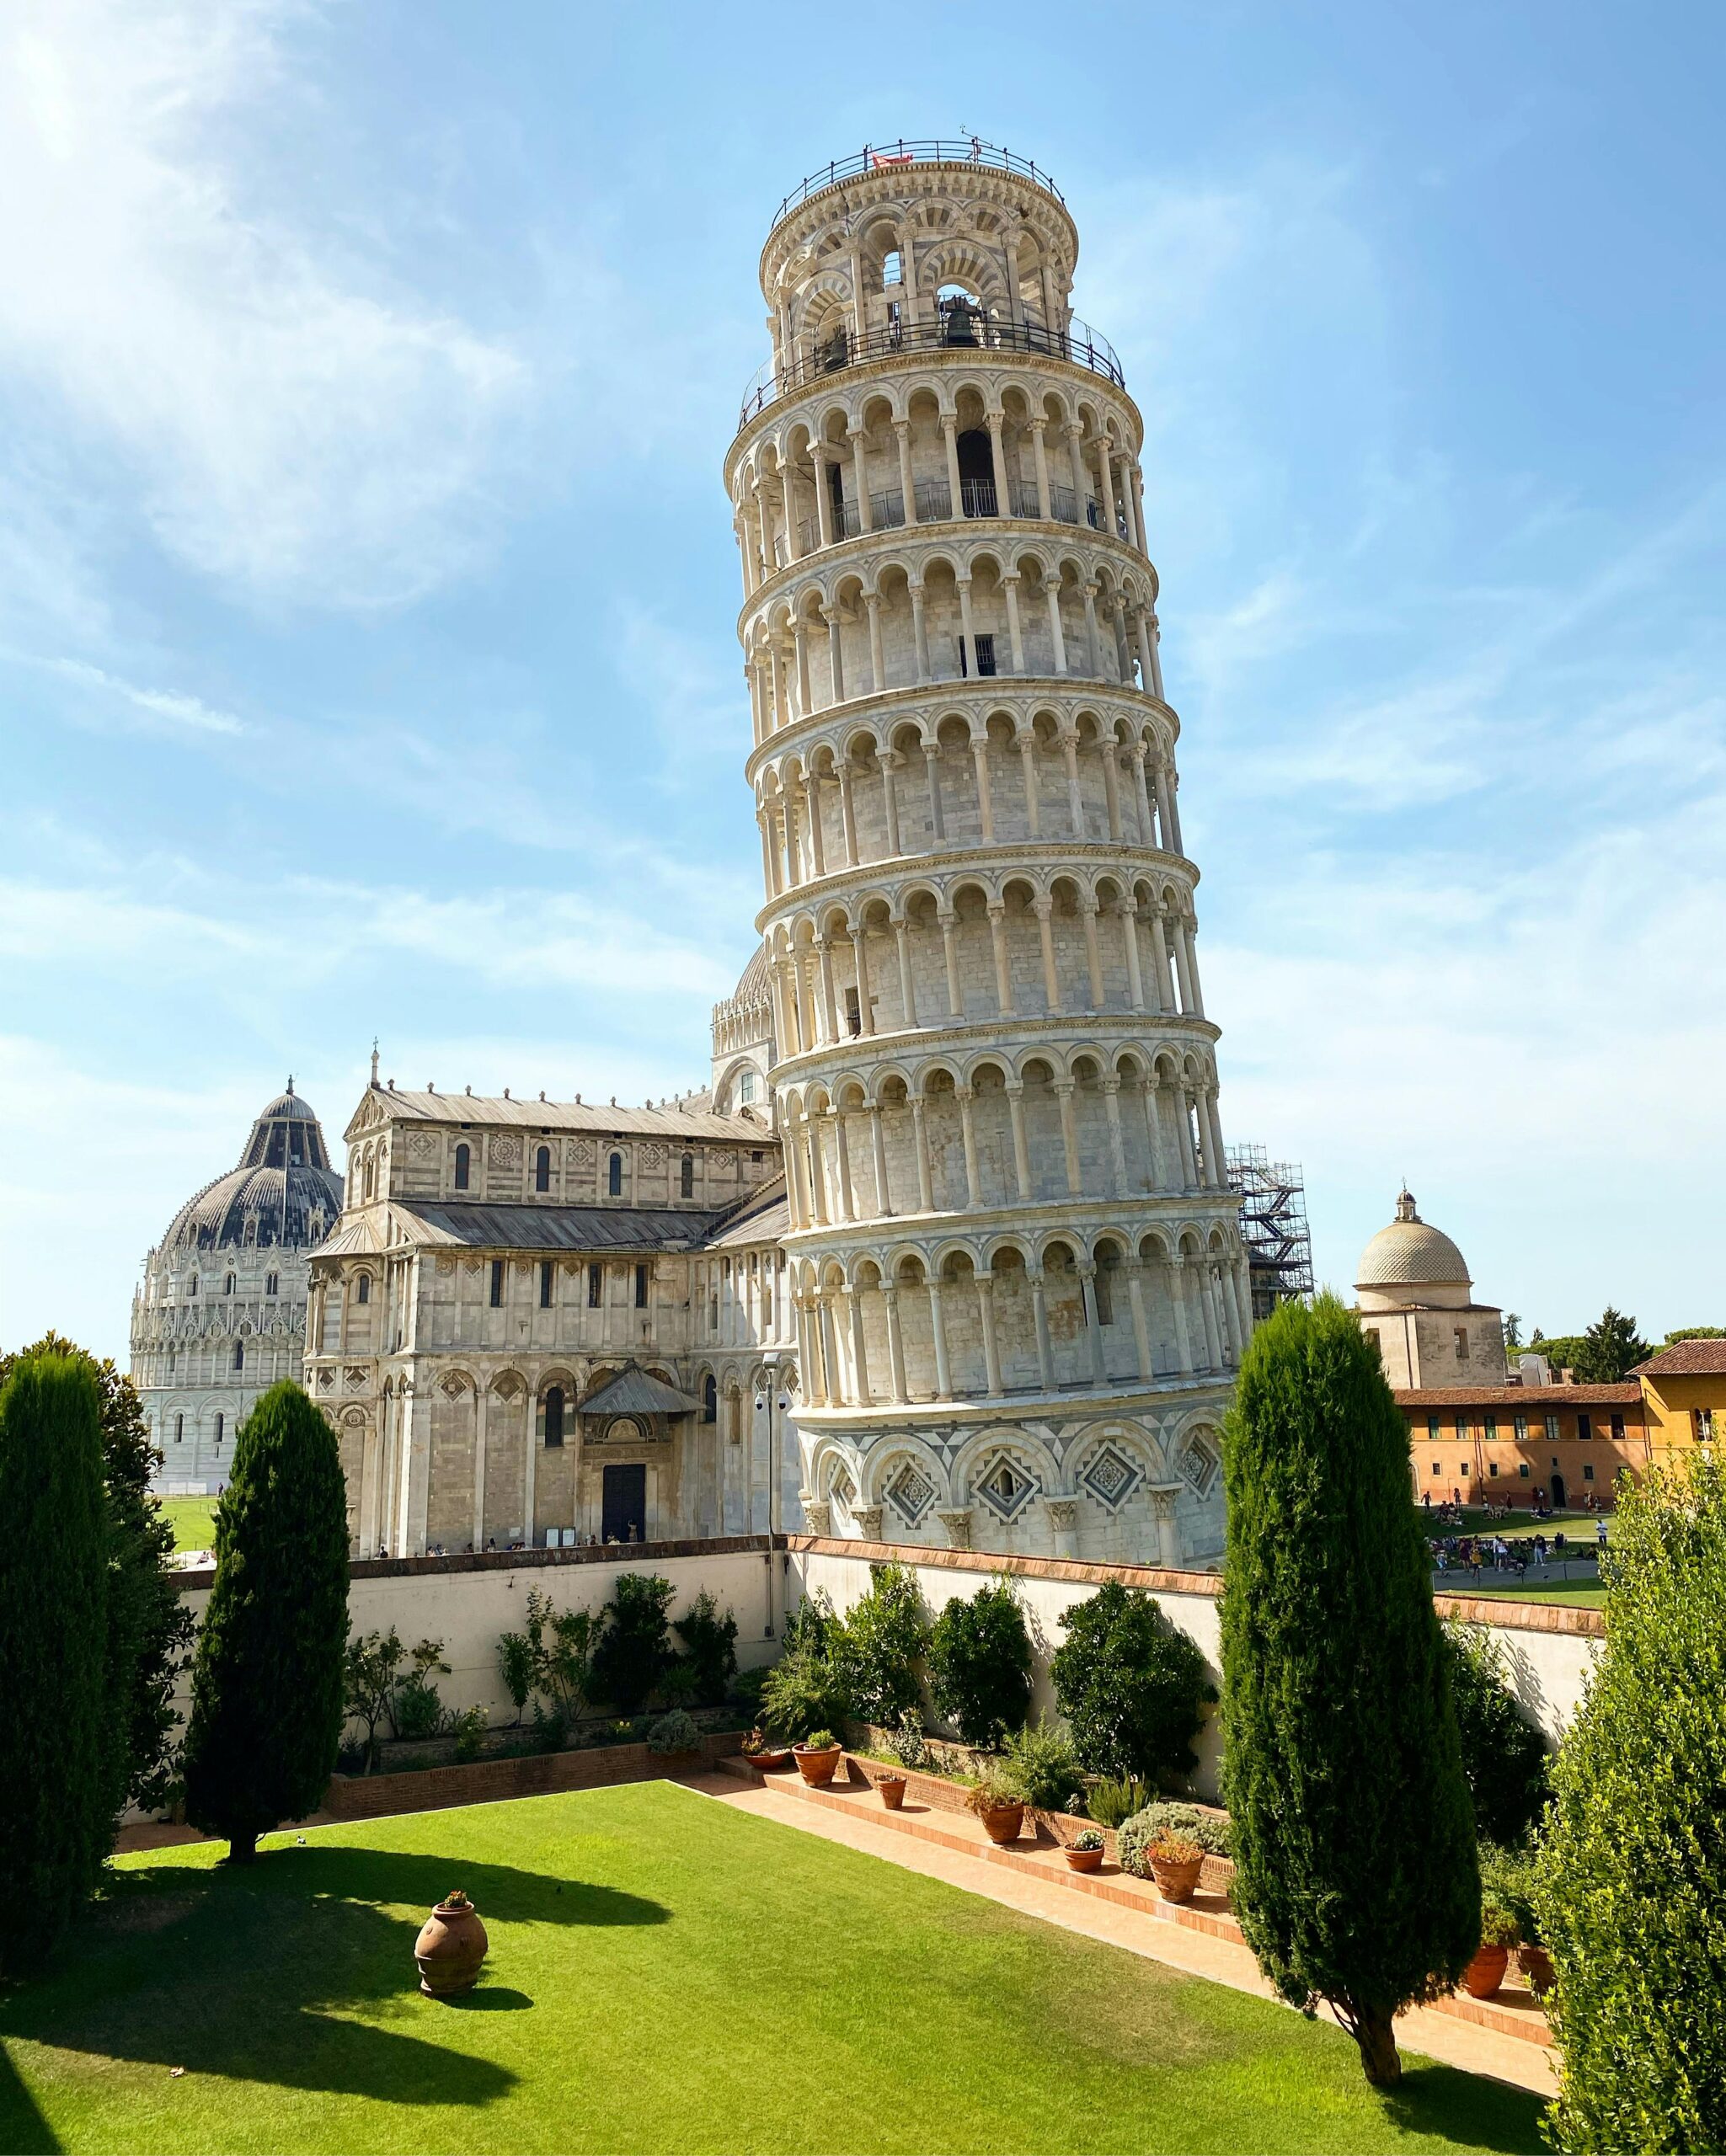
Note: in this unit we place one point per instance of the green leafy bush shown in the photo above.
(1043, 1766)
(803, 1691)
(1504, 1755)
(1113, 1799)
(1631, 1879)
(710, 1649)
(674, 1733)
(1337, 1717)
(820, 1740)
(635, 1644)
(468, 1729)
(1508, 1881)
(886, 1641)
(1184, 1822)
(1133, 1688)
(979, 1663)
(744, 1694)
(909, 1745)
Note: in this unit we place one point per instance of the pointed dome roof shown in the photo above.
(284, 1187)
(1409, 1253)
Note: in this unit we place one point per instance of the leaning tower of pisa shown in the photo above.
(1019, 1281)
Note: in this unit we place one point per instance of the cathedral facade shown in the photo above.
(947, 1252)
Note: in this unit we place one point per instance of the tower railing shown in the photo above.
(972, 330)
(931, 150)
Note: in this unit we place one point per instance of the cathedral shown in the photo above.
(945, 1252)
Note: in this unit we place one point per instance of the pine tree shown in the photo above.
(267, 1683)
(1356, 1878)
(56, 1762)
(1610, 1350)
(148, 1623)
(1632, 1883)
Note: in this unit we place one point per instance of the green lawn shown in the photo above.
(1578, 1592)
(193, 1520)
(666, 1974)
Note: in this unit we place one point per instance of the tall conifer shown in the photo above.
(1357, 1879)
(267, 1690)
(56, 1762)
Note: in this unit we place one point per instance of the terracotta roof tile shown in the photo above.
(1690, 1358)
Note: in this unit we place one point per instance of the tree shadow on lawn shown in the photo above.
(251, 1973)
(1468, 2108)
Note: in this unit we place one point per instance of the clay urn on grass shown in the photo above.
(451, 1946)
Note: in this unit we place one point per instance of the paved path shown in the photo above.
(1038, 1885)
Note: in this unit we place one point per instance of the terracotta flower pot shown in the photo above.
(773, 1760)
(1486, 1972)
(1177, 1879)
(451, 1946)
(1082, 1859)
(1002, 1822)
(818, 1768)
(891, 1788)
(1536, 1967)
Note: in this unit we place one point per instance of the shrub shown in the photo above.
(267, 1687)
(1112, 1800)
(1043, 1766)
(416, 1709)
(1352, 1833)
(57, 1781)
(372, 1665)
(674, 1733)
(820, 1740)
(746, 1693)
(979, 1664)
(1504, 1755)
(1184, 1821)
(709, 1648)
(1631, 1879)
(1507, 1879)
(908, 1743)
(886, 1639)
(1089, 1839)
(803, 1691)
(468, 1729)
(679, 1682)
(516, 1669)
(635, 1644)
(995, 1788)
(1133, 1688)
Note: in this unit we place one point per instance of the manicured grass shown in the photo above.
(193, 1520)
(1575, 1591)
(667, 1973)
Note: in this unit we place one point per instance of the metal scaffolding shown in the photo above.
(1273, 1195)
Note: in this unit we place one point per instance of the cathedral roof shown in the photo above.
(762, 1218)
(1409, 1253)
(284, 1189)
(543, 1227)
(674, 1123)
(633, 1391)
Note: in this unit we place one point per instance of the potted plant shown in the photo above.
(891, 1789)
(451, 1946)
(997, 1802)
(1084, 1853)
(818, 1757)
(763, 1754)
(1176, 1861)
(1498, 1933)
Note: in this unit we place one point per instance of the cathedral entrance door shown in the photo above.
(625, 1506)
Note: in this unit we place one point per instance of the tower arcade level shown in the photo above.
(1019, 1283)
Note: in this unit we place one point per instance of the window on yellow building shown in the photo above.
(1588, 1470)
(1492, 1469)
(1522, 1468)
(1703, 1417)
(1522, 1429)
(1489, 1429)
(1584, 1427)
(1552, 1429)
(1618, 1429)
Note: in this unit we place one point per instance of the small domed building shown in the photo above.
(1417, 1301)
(219, 1315)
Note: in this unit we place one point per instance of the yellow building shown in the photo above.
(1684, 1395)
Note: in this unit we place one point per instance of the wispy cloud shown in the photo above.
(164, 707)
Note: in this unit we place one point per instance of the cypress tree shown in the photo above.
(1356, 1878)
(56, 1786)
(267, 1682)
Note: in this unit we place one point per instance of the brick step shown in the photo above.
(1513, 2013)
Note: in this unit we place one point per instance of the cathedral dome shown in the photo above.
(1410, 1261)
(283, 1193)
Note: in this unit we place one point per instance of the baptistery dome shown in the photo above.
(221, 1314)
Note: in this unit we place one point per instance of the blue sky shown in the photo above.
(366, 585)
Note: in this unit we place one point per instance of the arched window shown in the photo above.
(464, 1160)
(193, 1289)
(227, 1285)
(218, 1429)
(239, 1355)
(179, 1428)
(614, 1175)
(542, 1168)
(554, 1415)
(364, 1293)
(686, 1185)
(372, 1177)
(272, 1283)
(710, 1401)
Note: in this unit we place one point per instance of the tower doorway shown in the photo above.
(976, 474)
